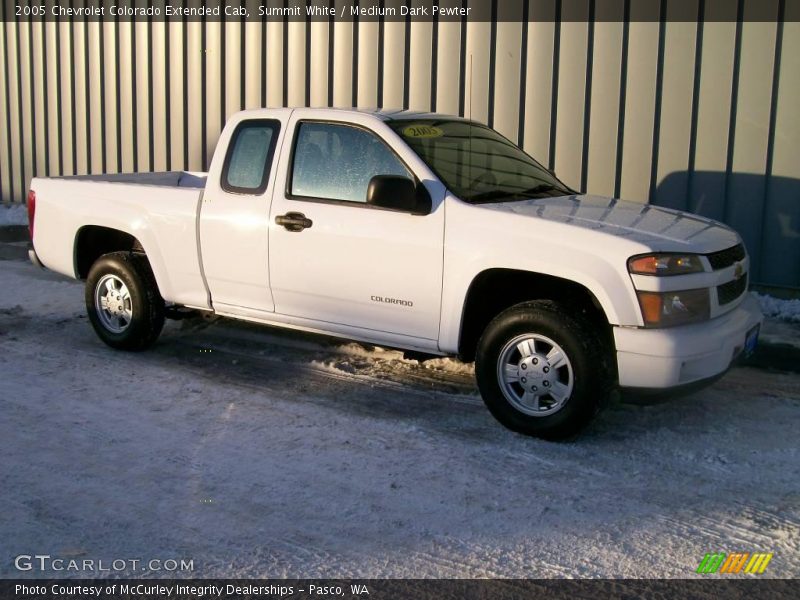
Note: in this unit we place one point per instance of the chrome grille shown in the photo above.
(725, 258)
(728, 292)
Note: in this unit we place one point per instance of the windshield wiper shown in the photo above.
(542, 188)
(539, 189)
(492, 195)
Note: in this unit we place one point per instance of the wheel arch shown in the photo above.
(93, 241)
(494, 290)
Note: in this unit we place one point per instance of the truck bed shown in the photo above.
(188, 179)
(158, 209)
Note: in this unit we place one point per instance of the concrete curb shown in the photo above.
(14, 242)
(14, 233)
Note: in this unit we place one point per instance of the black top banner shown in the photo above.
(396, 589)
(402, 10)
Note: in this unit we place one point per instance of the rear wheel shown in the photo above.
(543, 370)
(123, 302)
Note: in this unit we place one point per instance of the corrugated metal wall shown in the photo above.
(695, 115)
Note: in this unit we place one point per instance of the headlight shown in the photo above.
(665, 264)
(667, 309)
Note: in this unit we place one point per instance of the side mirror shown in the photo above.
(398, 193)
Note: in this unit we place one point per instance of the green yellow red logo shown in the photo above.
(737, 562)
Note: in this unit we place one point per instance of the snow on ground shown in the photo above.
(258, 453)
(13, 214)
(777, 308)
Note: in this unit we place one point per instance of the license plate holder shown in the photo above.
(751, 340)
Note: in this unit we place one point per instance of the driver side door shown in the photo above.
(354, 268)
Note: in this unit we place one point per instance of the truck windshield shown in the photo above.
(476, 163)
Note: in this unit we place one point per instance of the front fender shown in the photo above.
(473, 246)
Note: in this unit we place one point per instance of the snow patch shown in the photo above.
(15, 214)
(267, 468)
(448, 365)
(776, 308)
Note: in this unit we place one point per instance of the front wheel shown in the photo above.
(123, 302)
(543, 370)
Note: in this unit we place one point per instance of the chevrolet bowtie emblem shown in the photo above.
(738, 271)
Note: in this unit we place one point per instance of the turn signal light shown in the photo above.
(668, 309)
(665, 264)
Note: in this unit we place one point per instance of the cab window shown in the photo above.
(249, 158)
(336, 162)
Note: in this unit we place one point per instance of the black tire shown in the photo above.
(587, 353)
(145, 302)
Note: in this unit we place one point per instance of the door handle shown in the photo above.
(294, 221)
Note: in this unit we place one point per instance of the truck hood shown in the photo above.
(661, 229)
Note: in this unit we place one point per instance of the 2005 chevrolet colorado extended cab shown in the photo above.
(419, 231)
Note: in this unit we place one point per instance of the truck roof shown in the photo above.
(384, 114)
(396, 114)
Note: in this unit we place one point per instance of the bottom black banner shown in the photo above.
(439, 589)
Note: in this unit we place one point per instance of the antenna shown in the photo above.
(469, 117)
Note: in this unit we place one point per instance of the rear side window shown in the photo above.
(249, 158)
(336, 162)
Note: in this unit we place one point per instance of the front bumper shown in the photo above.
(677, 356)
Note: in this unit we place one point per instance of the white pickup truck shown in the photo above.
(418, 231)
